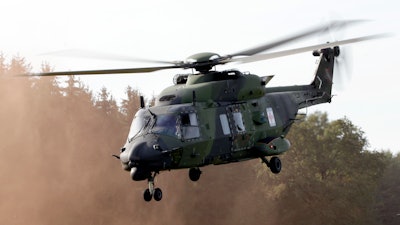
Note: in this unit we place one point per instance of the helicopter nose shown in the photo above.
(142, 153)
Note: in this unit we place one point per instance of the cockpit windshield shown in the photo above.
(179, 125)
(139, 122)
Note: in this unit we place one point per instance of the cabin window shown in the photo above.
(271, 117)
(237, 117)
(190, 127)
(224, 124)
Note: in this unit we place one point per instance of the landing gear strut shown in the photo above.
(274, 164)
(152, 192)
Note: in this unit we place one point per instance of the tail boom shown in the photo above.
(320, 89)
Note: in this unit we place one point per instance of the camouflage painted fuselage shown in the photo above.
(219, 117)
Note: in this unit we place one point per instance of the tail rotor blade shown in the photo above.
(343, 69)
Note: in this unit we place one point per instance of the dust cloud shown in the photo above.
(56, 168)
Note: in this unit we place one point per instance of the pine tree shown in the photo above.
(18, 66)
(130, 105)
(106, 103)
(3, 66)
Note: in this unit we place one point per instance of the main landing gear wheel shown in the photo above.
(275, 164)
(150, 192)
(157, 194)
(147, 195)
(194, 174)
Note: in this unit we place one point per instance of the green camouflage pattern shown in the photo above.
(221, 117)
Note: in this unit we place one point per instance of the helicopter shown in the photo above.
(211, 117)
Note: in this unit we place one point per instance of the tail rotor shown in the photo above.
(342, 71)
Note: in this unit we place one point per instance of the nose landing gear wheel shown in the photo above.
(150, 192)
(194, 174)
(147, 195)
(157, 194)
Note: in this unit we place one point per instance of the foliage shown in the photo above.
(328, 176)
(389, 189)
(106, 103)
(131, 104)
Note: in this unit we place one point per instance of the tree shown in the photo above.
(19, 65)
(131, 104)
(106, 103)
(75, 92)
(328, 176)
(46, 86)
(74, 87)
(3, 65)
(389, 189)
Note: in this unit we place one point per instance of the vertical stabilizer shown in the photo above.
(323, 79)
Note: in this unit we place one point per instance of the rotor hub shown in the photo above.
(202, 57)
(203, 62)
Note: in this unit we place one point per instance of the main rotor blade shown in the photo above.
(272, 55)
(324, 28)
(89, 54)
(108, 71)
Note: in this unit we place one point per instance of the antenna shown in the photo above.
(141, 102)
(194, 98)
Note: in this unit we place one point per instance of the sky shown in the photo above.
(366, 92)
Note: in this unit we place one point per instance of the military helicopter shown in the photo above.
(218, 117)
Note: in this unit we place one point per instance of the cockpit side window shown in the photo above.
(189, 125)
(166, 124)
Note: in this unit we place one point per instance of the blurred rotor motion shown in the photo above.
(204, 62)
(343, 69)
(91, 54)
(343, 61)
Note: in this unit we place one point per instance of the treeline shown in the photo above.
(57, 138)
